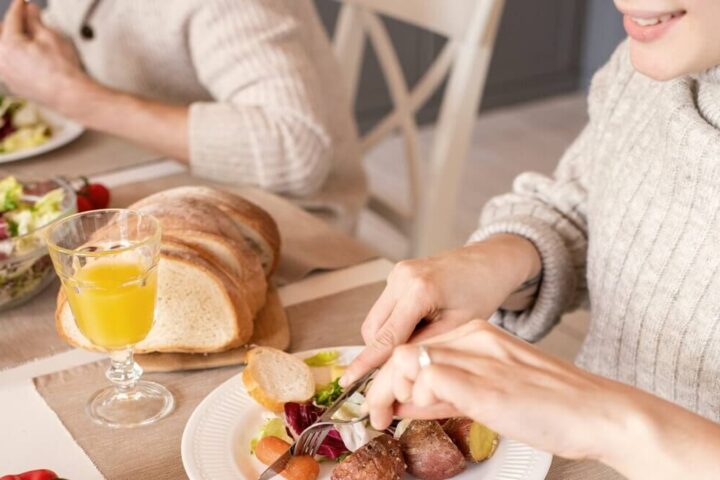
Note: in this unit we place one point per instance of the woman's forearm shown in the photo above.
(517, 258)
(159, 126)
(661, 440)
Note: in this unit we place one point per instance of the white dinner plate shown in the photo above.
(216, 440)
(64, 131)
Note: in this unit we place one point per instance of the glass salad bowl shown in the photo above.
(26, 209)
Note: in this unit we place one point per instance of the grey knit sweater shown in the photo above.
(630, 222)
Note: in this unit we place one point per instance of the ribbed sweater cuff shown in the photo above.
(558, 281)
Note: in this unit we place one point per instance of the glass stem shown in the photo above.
(124, 373)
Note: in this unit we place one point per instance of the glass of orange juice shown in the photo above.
(107, 261)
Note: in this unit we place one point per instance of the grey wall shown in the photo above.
(603, 32)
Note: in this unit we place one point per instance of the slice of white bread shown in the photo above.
(236, 258)
(258, 228)
(197, 310)
(273, 378)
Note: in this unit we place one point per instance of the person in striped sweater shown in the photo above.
(247, 92)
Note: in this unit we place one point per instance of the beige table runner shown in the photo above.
(91, 154)
(154, 451)
(309, 244)
(28, 332)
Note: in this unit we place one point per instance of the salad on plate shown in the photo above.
(21, 125)
(296, 393)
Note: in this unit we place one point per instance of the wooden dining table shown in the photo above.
(35, 433)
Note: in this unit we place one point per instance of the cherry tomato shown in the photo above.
(99, 195)
(83, 203)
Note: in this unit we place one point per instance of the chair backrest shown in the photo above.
(470, 27)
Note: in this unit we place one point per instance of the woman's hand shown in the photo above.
(480, 371)
(443, 291)
(35, 62)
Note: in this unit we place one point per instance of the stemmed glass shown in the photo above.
(107, 261)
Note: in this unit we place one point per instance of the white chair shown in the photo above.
(470, 27)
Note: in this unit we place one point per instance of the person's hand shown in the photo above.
(482, 372)
(35, 62)
(443, 292)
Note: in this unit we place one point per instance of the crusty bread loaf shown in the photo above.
(273, 378)
(197, 310)
(257, 227)
(236, 258)
(216, 251)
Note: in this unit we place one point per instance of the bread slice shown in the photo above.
(273, 378)
(196, 310)
(235, 258)
(258, 228)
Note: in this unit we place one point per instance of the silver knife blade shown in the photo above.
(277, 466)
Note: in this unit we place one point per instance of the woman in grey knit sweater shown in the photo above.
(630, 226)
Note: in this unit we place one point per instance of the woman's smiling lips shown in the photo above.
(649, 26)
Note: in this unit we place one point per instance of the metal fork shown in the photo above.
(312, 437)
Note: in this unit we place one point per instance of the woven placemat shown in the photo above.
(154, 451)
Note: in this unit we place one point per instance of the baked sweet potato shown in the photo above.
(476, 441)
(379, 459)
(429, 452)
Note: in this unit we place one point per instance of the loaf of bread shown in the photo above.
(217, 251)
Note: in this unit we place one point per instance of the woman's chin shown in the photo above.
(654, 66)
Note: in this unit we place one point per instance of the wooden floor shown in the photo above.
(505, 142)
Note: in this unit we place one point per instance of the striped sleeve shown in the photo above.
(267, 126)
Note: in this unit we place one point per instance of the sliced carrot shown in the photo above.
(269, 449)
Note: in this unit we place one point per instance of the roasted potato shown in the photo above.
(379, 459)
(429, 452)
(476, 441)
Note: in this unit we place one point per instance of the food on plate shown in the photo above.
(211, 283)
(25, 209)
(379, 459)
(429, 452)
(476, 441)
(21, 125)
(274, 378)
(301, 467)
(273, 427)
(424, 448)
(232, 217)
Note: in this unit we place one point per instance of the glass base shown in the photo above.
(143, 404)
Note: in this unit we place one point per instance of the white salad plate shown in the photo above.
(63, 132)
(216, 440)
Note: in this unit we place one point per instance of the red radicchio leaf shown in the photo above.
(4, 229)
(299, 416)
(7, 127)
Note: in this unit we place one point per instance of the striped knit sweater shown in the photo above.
(266, 103)
(630, 225)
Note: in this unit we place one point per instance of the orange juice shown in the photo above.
(113, 302)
